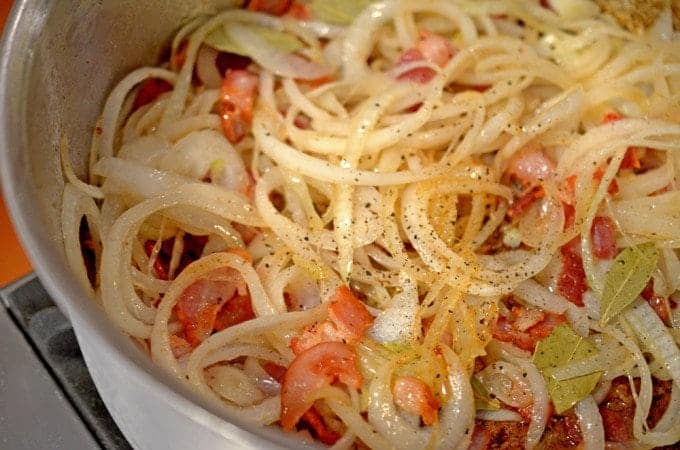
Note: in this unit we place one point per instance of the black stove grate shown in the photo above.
(52, 338)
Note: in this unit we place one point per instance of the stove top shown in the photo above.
(47, 398)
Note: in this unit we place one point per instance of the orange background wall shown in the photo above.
(13, 261)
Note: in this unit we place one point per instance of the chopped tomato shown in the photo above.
(611, 117)
(319, 428)
(430, 47)
(481, 438)
(505, 332)
(274, 7)
(632, 158)
(312, 370)
(179, 346)
(214, 302)
(315, 334)
(524, 327)
(415, 396)
(617, 411)
(161, 263)
(613, 187)
(275, 371)
(490, 434)
(525, 200)
(570, 190)
(237, 310)
(658, 303)
(237, 99)
(661, 398)
(543, 329)
(530, 167)
(525, 318)
(603, 237)
(315, 83)
(348, 313)
(198, 306)
(242, 252)
(569, 215)
(435, 48)
(247, 233)
(561, 432)
(299, 10)
(151, 89)
(571, 283)
(349, 319)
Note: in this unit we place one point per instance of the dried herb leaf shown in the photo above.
(483, 399)
(563, 347)
(285, 42)
(338, 12)
(627, 277)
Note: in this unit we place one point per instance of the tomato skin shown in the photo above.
(348, 313)
(415, 396)
(603, 236)
(237, 100)
(316, 367)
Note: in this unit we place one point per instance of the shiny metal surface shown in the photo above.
(59, 59)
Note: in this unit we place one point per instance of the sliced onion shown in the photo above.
(282, 64)
(590, 423)
(398, 322)
(234, 385)
(654, 337)
(501, 415)
(206, 67)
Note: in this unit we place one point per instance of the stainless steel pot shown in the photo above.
(59, 60)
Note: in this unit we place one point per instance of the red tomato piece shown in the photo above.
(237, 310)
(617, 411)
(274, 7)
(161, 263)
(319, 428)
(571, 283)
(312, 370)
(348, 313)
(179, 346)
(430, 47)
(151, 89)
(299, 10)
(415, 396)
(543, 329)
(658, 303)
(505, 332)
(613, 187)
(198, 306)
(237, 100)
(525, 200)
(603, 237)
(274, 370)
